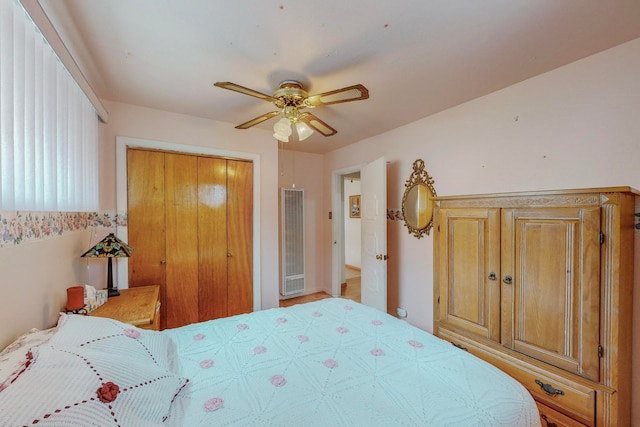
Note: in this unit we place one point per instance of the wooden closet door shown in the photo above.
(181, 206)
(212, 238)
(240, 236)
(145, 180)
(551, 304)
(469, 270)
(191, 227)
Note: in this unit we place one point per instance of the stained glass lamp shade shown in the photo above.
(109, 247)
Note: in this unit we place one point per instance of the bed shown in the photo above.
(332, 362)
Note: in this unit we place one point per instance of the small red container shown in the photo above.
(75, 298)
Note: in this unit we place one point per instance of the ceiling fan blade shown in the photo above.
(258, 120)
(317, 124)
(346, 94)
(245, 90)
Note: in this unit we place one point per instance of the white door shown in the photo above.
(373, 214)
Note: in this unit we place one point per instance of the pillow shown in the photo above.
(116, 338)
(79, 386)
(32, 338)
(15, 356)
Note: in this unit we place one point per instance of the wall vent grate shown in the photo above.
(292, 217)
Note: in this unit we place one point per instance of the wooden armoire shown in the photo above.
(190, 222)
(540, 285)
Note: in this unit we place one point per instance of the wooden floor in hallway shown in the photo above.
(351, 291)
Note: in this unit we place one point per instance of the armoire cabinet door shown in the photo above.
(550, 286)
(469, 270)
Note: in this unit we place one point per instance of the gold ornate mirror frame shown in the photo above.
(417, 201)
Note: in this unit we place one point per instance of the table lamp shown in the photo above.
(109, 247)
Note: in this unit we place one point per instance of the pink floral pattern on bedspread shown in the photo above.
(339, 363)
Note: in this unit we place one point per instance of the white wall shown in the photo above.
(33, 280)
(304, 170)
(577, 126)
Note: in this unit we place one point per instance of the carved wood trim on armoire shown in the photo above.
(540, 284)
(190, 222)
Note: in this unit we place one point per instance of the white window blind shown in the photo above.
(48, 127)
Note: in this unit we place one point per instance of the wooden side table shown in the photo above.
(139, 306)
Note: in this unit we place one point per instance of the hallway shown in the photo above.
(350, 291)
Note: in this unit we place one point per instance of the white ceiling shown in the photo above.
(416, 57)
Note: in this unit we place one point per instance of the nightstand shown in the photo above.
(139, 306)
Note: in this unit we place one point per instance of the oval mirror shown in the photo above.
(417, 202)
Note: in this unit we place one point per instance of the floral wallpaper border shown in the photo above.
(21, 227)
(394, 215)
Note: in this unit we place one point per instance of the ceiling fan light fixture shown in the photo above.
(304, 131)
(282, 130)
(281, 138)
(289, 99)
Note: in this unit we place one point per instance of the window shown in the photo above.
(48, 127)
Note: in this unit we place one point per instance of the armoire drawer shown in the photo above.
(574, 400)
(549, 417)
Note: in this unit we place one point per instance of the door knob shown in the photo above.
(508, 280)
(492, 276)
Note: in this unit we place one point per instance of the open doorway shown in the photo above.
(373, 238)
(351, 191)
(373, 228)
(340, 212)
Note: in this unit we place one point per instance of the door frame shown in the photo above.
(122, 143)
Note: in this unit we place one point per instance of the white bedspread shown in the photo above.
(336, 363)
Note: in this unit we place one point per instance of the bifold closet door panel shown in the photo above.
(181, 207)
(240, 236)
(145, 206)
(212, 238)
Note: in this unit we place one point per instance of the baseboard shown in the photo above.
(301, 294)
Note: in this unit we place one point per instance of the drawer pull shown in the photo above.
(549, 389)
(492, 276)
(459, 346)
(549, 424)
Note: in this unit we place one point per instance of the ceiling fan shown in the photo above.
(290, 98)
